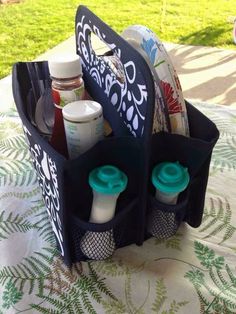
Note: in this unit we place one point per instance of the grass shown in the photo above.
(31, 27)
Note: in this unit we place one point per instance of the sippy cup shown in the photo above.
(169, 179)
(107, 183)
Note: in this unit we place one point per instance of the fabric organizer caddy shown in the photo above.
(133, 148)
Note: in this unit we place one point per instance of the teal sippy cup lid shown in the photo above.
(170, 177)
(108, 180)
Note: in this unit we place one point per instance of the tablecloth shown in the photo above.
(192, 272)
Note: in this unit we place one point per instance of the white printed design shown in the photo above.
(47, 176)
(128, 96)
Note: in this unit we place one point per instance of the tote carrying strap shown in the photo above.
(127, 101)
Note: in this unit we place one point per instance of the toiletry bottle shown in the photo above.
(67, 86)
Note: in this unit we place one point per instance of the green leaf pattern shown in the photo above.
(11, 295)
(191, 272)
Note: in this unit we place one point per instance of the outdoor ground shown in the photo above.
(31, 27)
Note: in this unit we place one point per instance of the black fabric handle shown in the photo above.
(133, 99)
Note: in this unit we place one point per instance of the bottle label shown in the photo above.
(82, 136)
(63, 97)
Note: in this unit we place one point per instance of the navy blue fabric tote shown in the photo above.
(132, 148)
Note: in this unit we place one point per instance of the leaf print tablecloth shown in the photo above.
(192, 272)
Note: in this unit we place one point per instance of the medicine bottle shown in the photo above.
(83, 121)
(67, 86)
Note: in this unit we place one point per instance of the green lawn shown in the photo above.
(31, 27)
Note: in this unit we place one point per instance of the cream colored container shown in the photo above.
(107, 183)
(83, 121)
(169, 179)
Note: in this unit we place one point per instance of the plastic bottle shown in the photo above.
(83, 121)
(67, 86)
(169, 179)
(107, 183)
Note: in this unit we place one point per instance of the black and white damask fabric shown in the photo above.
(48, 181)
(128, 96)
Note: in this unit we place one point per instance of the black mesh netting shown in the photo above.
(162, 224)
(98, 245)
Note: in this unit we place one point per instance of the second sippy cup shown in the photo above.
(107, 183)
(169, 179)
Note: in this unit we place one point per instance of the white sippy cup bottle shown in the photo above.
(107, 183)
(169, 179)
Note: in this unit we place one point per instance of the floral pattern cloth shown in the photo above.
(191, 272)
(162, 66)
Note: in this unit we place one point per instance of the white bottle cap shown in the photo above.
(65, 66)
(82, 110)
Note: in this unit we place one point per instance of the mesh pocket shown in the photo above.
(163, 219)
(98, 245)
(99, 241)
(91, 241)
